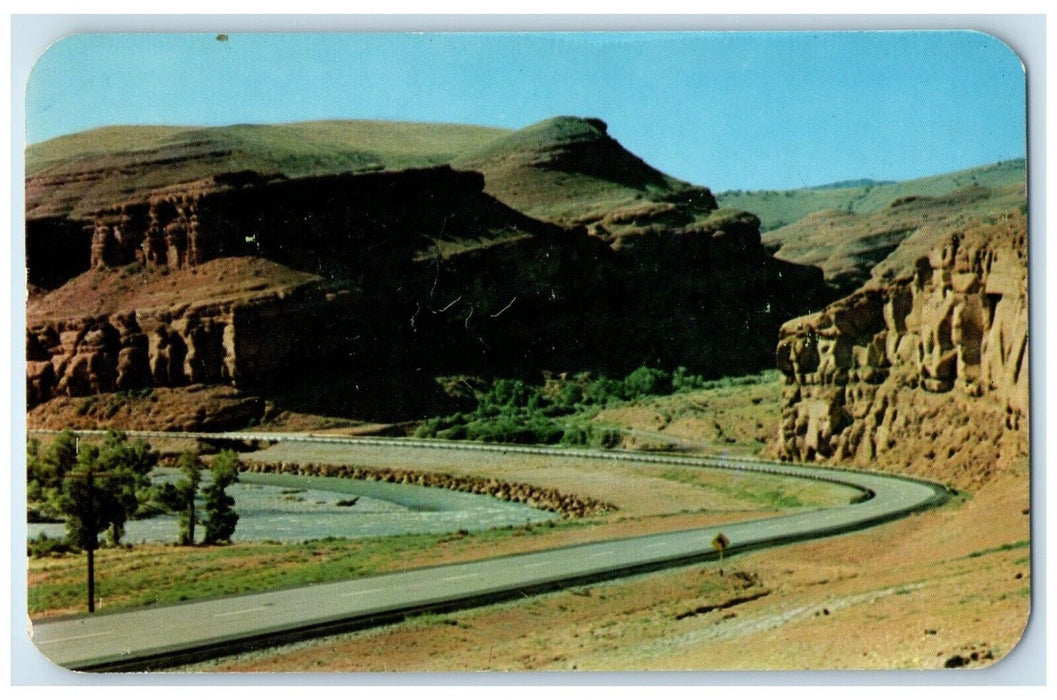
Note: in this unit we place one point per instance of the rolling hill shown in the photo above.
(782, 208)
(565, 170)
(851, 247)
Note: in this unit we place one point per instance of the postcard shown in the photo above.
(489, 351)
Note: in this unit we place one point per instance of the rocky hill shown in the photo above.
(70, 178)
(926, 364)
(350, 293)
(566, 171)
(570, 171)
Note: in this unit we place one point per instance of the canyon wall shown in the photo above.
(401, 277)
(236, 343)
(354, 219)
(927, 365)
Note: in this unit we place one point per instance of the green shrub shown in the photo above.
(514, 411)
(603, 391)
(684, 381)
(647, 381)
(44, 546)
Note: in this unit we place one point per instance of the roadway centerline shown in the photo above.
(369, 590)
(461, 577)
(71, 639)
(242, 612)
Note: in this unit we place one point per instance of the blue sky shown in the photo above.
(729, 110)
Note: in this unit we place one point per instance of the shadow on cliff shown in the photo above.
(378, 397)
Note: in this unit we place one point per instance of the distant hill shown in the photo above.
(852, 247)
(781, 208)
(844, 184)
(565, 170)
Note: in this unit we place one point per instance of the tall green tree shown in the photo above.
(129, 466)
(45, 471)
(90, 507)
(190, 466)
(220, 516)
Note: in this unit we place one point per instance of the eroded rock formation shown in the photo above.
(439, 279)
(235, 343)
(353, 218)
(933, 361)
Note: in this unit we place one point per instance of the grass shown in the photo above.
(299, 148)
(730, 414)
(762, 491)
(1001, 548)
(130, 577)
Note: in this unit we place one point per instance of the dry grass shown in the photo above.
(739, 419)
(848, 246)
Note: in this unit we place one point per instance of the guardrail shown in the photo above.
(841, 475)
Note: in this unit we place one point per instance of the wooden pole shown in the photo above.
(91, 580)
(91, 543)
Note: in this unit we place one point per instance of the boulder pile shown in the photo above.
(567, 505)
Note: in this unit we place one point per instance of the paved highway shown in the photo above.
(153, 638)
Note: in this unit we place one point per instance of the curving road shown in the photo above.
(155, 638)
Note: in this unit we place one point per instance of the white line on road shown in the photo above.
(603, 554)
(70, 639)
(241, 612)
(462, 576)
(538, 564)
(365, 592)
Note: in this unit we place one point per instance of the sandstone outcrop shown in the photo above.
(411, 275)
(358, 220)
(933, 361)
(233, 343)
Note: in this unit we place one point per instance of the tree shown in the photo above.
(129, 466)
(92, 489)
(221, 518)
(185, 491)
(45, 473)
(90, 507)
